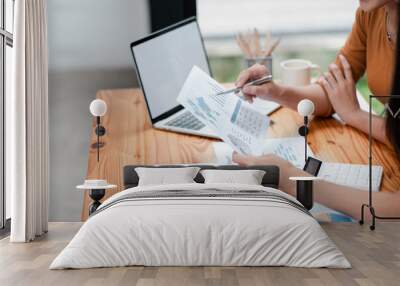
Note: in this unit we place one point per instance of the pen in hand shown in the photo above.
(259, 81)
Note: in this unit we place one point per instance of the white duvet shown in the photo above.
(200, 231)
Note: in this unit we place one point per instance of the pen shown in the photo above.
(259, 81)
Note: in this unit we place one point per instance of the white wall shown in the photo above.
(94, 34)
(88, 50)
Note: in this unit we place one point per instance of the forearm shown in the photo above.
(290, 97)
(349, 200)
(342, 198)
(360, 120)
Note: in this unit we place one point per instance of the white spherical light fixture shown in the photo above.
(98, 107)
(305, 107)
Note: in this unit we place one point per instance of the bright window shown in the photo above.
(314, 30)
(6, 44)
(225, 17)
(9, 13)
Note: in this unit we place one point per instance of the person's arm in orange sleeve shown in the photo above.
(340, 82)
(355, 51)
(355, 48)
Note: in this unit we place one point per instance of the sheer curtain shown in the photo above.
(27, 142)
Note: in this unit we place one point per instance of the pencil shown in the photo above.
(273, 47)
(257, 46)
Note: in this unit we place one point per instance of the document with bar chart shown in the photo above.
(234, 120)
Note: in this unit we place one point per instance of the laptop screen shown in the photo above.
(164, 60)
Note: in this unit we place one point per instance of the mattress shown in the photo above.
(201, 225)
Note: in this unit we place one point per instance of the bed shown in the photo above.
(198, 224)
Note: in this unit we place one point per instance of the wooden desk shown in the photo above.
(130, 139)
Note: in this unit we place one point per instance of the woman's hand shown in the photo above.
(268, 90)
(341, 90)
(269, 159)
(286, 169)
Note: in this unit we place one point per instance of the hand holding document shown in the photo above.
(290, 149)
(238, 124)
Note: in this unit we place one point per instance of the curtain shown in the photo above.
(27, 143)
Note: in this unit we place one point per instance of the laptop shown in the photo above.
(163, 60)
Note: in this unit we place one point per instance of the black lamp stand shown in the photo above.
(303, 131)
(96, 195)
(304, 193)
(370, 202)
(100, 131)
(304, 190)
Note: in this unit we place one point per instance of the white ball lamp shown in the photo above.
(305, 108)
(98, 108)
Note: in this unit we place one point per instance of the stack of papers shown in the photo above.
(242, 127)
(264, 106)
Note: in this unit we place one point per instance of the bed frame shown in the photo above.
(271, 177)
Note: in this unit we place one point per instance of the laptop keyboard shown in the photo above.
(186, 120)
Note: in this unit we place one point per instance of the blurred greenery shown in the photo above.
(226, 69)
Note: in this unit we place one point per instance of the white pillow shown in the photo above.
(166, 176)
(248, 177)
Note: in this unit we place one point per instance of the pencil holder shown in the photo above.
(265, 61)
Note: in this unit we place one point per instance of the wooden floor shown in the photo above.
(375, 257)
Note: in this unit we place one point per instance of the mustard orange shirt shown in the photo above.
(369, 51)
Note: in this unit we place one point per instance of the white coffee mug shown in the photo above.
(297, 72)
